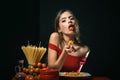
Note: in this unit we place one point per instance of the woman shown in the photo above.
(61, 56)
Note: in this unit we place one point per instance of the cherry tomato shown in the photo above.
(37, 70)
(39, 64)
(31, 70)
(27, 70)
(71, 28)
(24, 69)
(31, 78)
(37, 77)
(27, 77)
(44, 65)
(34, 64)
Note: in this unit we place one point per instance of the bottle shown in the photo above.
(20, 75)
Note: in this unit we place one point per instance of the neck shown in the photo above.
(67, 38)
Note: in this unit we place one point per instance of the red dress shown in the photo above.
(71, 63)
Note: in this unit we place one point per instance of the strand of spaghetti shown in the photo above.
(43, 52)
(28, 48)
(39, 54)
(34, 53)
(25, 52)
(79, 70)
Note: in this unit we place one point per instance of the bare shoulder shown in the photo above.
(54, 38)
(54, 34)
(84, 48)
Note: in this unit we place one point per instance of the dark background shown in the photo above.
(33, 21)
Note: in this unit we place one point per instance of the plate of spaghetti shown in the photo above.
(74, 74)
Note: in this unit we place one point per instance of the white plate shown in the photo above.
(81, 74)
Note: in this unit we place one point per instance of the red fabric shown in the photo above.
(71, 63)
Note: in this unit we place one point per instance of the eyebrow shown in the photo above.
(65, 17)
(70, 16)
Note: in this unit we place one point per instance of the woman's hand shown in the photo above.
(68, 48)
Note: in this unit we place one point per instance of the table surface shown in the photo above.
(85, 78)
(81, 78)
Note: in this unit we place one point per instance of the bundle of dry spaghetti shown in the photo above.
(33, 54)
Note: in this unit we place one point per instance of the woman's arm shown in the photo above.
(53, 62)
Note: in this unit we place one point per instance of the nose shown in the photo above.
(69, 21)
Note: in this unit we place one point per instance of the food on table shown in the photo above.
(44, 65)
(33, 56)
(73, 74)
(34, 72)
(39, 64)
(35, 69)
(29, 77)
(33, 53)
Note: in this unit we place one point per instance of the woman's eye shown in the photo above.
(71, 18)
(63, 20)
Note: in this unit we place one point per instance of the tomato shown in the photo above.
(27, 77)
(34, 64)
(31, 78)
(46, 68)
(39, 64)
(31, 70)
(71, 28)
(24, 69)
(37, 77)
(44, 65)
(37, 70)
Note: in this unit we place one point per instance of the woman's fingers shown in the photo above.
(69, 49)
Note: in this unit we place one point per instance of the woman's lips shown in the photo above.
(71, 28)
